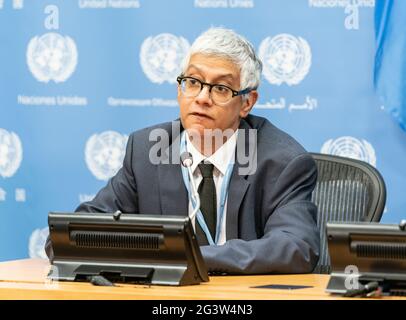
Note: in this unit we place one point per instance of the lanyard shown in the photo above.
(223, 197)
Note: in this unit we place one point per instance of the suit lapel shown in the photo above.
(238, 186)
(173, 193)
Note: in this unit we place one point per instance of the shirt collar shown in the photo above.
(220, 159)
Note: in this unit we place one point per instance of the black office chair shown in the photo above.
(347, 190)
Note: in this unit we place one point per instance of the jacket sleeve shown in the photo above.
(290, 243)
(120, 193)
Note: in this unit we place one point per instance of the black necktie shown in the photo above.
(208, 203)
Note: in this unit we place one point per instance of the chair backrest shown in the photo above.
(347, 190)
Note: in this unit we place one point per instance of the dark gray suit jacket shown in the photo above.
(271, 222)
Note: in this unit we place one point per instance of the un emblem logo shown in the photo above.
(104, 153)
(11, 153)
(36, 246)
(285, 59)
(52, 57)
(350, 147)
(161, 57)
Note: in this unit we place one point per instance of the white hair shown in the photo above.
(227, 44)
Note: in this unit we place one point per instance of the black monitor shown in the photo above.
(367, 252)
(132, 248)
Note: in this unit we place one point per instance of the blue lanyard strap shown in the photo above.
(223, 197)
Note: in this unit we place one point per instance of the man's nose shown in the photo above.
(204, 96)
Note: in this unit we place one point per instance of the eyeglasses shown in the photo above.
(220, 94)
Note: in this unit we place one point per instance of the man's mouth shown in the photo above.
(201, 115)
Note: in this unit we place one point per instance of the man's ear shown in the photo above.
(248, 103)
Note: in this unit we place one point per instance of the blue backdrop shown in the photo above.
(77, 77)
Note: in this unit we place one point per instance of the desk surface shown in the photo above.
(26, 279)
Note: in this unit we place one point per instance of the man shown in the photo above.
(257, 220)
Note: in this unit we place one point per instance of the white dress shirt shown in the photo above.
(220, 159)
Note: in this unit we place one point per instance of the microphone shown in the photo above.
(187, 161)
